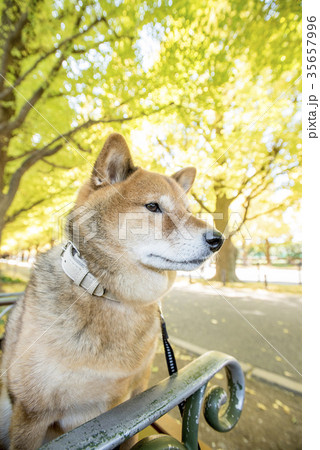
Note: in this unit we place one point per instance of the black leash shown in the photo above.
(170, 358)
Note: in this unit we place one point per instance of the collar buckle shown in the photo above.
(67, 245)
(75, 267)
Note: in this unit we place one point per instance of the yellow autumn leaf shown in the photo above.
(286, 409)
(287, 374)
(261, 406)
(250, 391)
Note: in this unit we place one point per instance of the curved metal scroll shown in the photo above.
(115, 426)
(217, 397)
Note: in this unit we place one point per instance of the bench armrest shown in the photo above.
(110, 429)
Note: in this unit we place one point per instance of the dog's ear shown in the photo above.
(185, 177)
(114, 163)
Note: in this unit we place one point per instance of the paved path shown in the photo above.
(257, 327)
(235, 321)
(271, 417)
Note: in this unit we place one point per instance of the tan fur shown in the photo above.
(70, 356)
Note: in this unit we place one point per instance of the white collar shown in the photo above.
(76, 268)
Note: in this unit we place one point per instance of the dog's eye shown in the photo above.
(153, 207)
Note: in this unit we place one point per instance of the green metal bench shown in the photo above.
(112, 428)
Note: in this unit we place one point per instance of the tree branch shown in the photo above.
(264, 213)
(63, 43)
(244, 219)
(80, 146)
(23, 155)
(12, 37)
(114, 31)
(57, 166)
(29, 162)
(165, 146)
(38, 154)
(66, 41)
(13, 216)
(8, 127)
(200, 202)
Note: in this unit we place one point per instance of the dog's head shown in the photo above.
(143, 214)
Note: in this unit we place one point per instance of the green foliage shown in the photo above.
(72, 74)
(237, 82)
(214, 84)
(6, 279)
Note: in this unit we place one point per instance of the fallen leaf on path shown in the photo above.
(285, 408)
(261, 406)
(250, 391)
(288, 374)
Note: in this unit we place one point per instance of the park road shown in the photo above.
(255, 326)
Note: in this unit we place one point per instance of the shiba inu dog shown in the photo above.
(83, 337)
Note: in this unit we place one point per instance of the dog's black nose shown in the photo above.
(215, 240)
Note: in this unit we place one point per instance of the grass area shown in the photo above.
(282, 288)
(6, 279)
(284, 266)
(8, 284)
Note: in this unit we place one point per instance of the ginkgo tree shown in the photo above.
(280, 231)
(238, 184)
(220, 90)
(66, 68)
(238, 118)
(249, 160)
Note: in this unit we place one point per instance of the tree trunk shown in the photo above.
(267, 251)
(226, 258)
(2, 218)
(245, 252)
